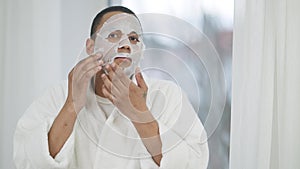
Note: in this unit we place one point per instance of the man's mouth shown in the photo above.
(123, 60)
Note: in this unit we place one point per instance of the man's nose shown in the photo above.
(124, 49)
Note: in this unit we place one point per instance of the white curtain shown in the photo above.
(265, 127)
(39, 43)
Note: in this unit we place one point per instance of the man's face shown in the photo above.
(119, 40)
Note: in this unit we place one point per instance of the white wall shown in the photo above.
(76, 20)
(1, 74)
(39, 42)
(31, 48)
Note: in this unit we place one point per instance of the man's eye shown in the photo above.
(113, 35)
(132, 38)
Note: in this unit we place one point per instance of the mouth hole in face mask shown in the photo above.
(123, 60)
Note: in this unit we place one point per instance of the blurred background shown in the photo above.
(40, 41)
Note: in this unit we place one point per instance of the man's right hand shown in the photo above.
(79, 79)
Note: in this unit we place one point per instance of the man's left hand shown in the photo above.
(128, 97)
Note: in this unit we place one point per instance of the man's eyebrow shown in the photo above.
(133, 32)
(116, 30)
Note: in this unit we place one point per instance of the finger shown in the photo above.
(110, 72)
(111, 87)
(88, 71)
(87, 64)
(121, 75)
(116, 81)
(90, 64)
(86, 76)
(140, 79)
(91, 58)
(107, 94)
(106, 82)
(70, 76)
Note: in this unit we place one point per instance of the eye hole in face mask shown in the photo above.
(115, 36)
(133, 38)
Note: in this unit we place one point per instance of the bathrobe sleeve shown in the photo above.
(184, 140)
(31, 135)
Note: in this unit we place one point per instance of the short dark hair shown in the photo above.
(99, 16)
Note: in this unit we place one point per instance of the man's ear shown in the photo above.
(89, 45)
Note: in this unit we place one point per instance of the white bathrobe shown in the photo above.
(103, 140)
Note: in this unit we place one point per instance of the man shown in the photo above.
(109, 116)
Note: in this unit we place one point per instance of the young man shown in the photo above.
(108, 115)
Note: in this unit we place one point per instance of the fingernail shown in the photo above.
(98, 56)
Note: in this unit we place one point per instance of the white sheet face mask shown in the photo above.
(120, 30)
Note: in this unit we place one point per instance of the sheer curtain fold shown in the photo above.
(266, 91)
